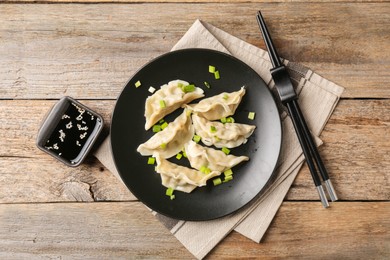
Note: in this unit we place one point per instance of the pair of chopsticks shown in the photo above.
(289, 98)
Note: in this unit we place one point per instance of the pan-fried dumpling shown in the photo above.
(179, 177)
(167, 99)
(171, 140)
(220, 135)
(216, 160)
(219, 106)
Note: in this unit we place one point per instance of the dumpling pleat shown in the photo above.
(172, 96)
(171, 140)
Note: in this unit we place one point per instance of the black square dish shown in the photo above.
(69, 131)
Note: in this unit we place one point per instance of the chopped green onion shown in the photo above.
(137, 84)
(216, 75)
(213, 129)
(230, 120)
(223, 120)
(184, 154)
(217, 139)
(162, 104)
(156, 128)
(196, 138)
(228, 178)
(211, 69)
(163, 145)
(164, 125)
(228, 172)
(178, 156)
(225, 96)
(251, 115)
(161, 121)
(151, 160)
(207, 84)
(188, 88)
(217, 181)
(169, 192)
(203, 169)
(172, 197)
(225, 150)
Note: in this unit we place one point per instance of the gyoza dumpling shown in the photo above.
(167, 99)
(216, 160)
(179, 177)
(220, 135)
(171, 140)
(219, 106)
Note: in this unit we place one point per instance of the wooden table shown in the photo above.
(88, 50)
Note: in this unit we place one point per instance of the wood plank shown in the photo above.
(90, 51)
(84, 231)
(356, 144)
(43, 179)
(177, 1)
(347, 230)
(356, 152)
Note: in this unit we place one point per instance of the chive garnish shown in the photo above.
(207, 84)
(163, 145)
(178, 156)
(225, 150)
(196, 138)
(151, 160)
(213, 129)
(156, 128)
(251, 115)
(216, 75)
(137, 84)
(217, 181)
(228, 172)
(188, 88)
(162, 104)
(164, 125)
(228, 178)
(169, 192)
(230, 120)
(211, 69)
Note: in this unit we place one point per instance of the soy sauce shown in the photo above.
(73, 133)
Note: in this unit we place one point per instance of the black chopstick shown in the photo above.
(275, 59)
(289, 98)
(315, 153)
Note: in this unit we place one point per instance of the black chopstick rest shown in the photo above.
(289, 98)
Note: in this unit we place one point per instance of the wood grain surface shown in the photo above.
(352, 229)
(88, 49)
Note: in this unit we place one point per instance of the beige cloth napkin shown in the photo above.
(317, 97)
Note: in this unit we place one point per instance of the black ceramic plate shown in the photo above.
(263, 147)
